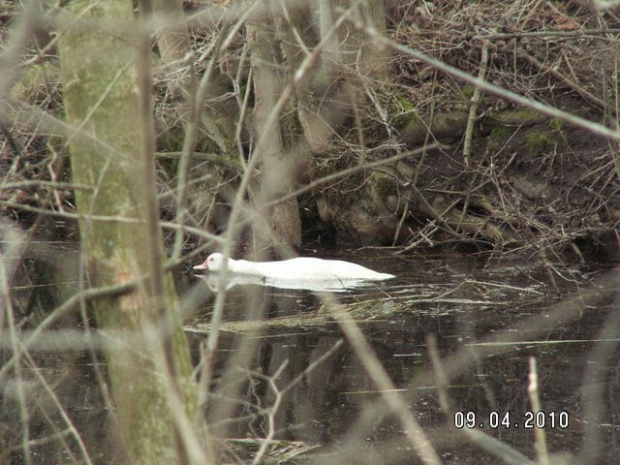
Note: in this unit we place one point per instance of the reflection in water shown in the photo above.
(338, 405)
(316, 285)
(281, 374)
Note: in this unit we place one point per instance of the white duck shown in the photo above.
(295, 269)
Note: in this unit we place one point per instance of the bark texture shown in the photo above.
(101, 101)
(279, 165)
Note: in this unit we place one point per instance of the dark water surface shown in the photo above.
(490, 319)
(461, 302)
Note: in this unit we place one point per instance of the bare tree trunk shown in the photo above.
(101, 101)
(348, 62)
(358, 51)
(279, 167)
(173, 44)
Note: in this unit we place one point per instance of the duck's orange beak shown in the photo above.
(202, 266)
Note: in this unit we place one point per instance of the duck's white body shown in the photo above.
(295, 269)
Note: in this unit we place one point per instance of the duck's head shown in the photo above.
(214, 262)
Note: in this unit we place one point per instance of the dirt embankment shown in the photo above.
(499, 175)
(505, 175)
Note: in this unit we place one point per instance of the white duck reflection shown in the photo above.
(326, 285)
(312, 274)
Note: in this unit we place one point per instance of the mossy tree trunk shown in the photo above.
(148, 359)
